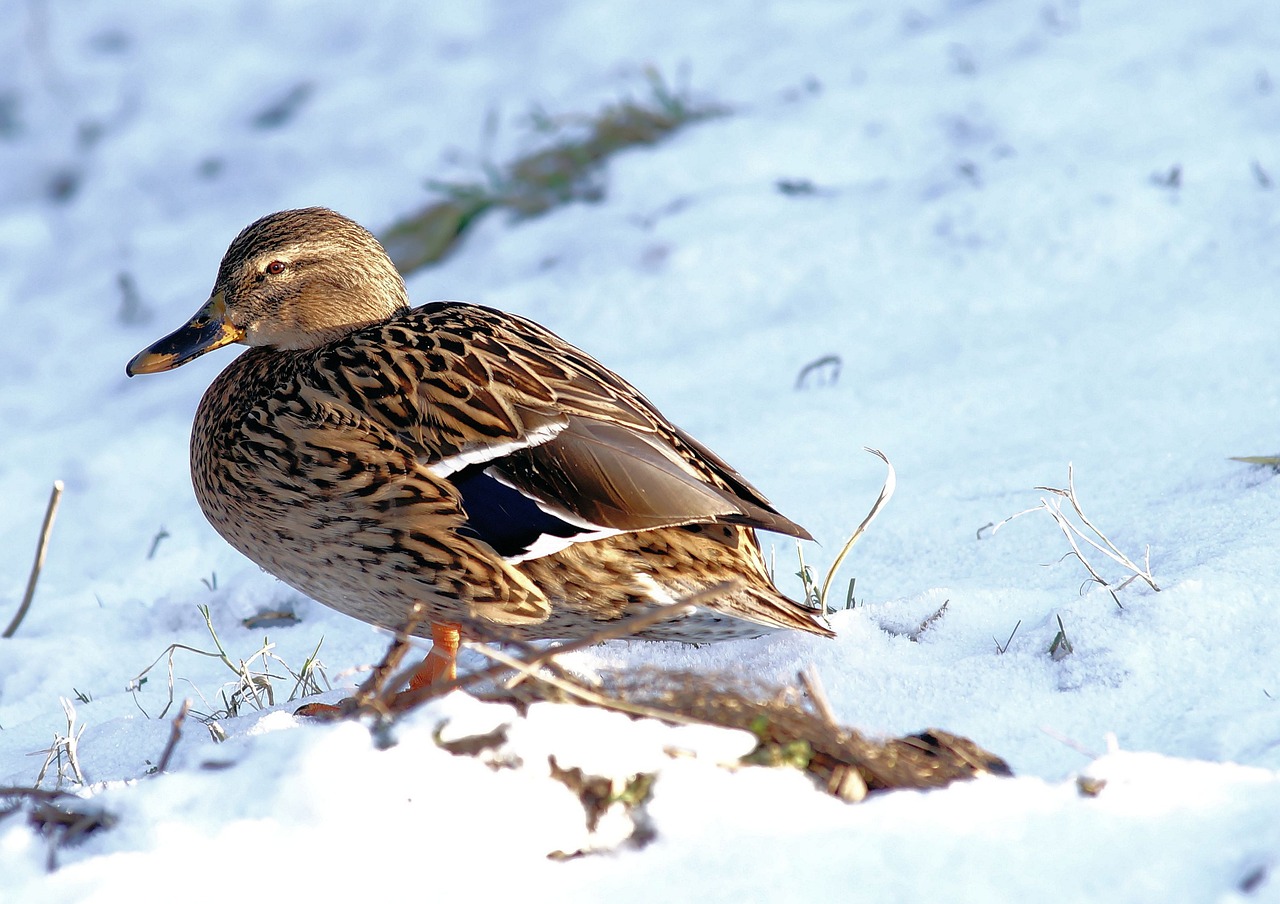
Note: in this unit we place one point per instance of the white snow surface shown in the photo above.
(993, 249)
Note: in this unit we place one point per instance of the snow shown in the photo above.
(992, 248)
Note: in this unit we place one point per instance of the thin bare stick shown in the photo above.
(175, 733)
(50, 512)
(383, 679)
(996, 525)
(40, 794)
(886, 493)
(818, 694)
(845, 782)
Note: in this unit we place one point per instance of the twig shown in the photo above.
(845, 781)
(50, 512)
(380, 686)
(886, 493)
(161, 534)
(818, 694)
(41, 794)
(63, 818)
(175, 733)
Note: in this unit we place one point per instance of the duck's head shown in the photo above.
(292, 280)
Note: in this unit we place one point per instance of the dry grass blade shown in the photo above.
(1106, 547)
(65, 750)
(886, 493)
(565, 171)
(1271, 461)
(928, 622)
(307, 679)
(1087, 533)
(50, 513)
(135, 684)
(255, 679)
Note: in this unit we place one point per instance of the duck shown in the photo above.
(454, 461)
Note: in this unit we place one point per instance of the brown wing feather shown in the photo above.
(615, 477)
(475, 384)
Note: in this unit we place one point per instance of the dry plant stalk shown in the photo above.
(1270, 461)
(42, 545)
(1089, 534)
(255, 687)
(65, 750)
(565, 171)
(886, 493)
(175, 735)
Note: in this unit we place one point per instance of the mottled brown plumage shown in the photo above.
(375, 457)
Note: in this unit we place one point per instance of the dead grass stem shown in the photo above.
(42, 545)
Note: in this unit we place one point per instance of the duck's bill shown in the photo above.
(206, 330)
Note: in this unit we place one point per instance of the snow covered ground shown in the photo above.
(1039, 234)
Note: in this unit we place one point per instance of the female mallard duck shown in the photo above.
(376, 457)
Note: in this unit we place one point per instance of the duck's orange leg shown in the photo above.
(441, 663)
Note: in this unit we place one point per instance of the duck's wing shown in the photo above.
(545, 445)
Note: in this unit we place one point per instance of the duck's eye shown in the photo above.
(275, 268)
